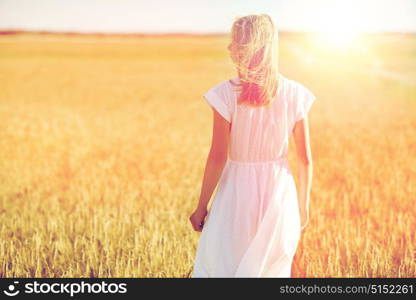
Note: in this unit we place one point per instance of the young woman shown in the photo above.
(253, 226)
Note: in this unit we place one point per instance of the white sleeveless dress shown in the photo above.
(253, 225)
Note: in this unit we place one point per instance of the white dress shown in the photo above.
(253, 226)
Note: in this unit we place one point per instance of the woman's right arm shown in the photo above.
(304, 155)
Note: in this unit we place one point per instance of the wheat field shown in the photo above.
(103, 141)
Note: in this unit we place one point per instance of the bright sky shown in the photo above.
(202, 16)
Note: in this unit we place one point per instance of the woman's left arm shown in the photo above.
(214, 166)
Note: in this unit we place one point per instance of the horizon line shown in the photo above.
(8, 31)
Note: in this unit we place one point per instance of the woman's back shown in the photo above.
(261, 133)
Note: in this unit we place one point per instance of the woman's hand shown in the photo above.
(198, 218)
(304, 218)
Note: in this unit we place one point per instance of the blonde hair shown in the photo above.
(254, 52)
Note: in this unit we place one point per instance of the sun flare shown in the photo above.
(339, 37)
(339, 26)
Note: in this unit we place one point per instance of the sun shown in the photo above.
(340, 25)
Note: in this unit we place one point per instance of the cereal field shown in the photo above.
(103, 141)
